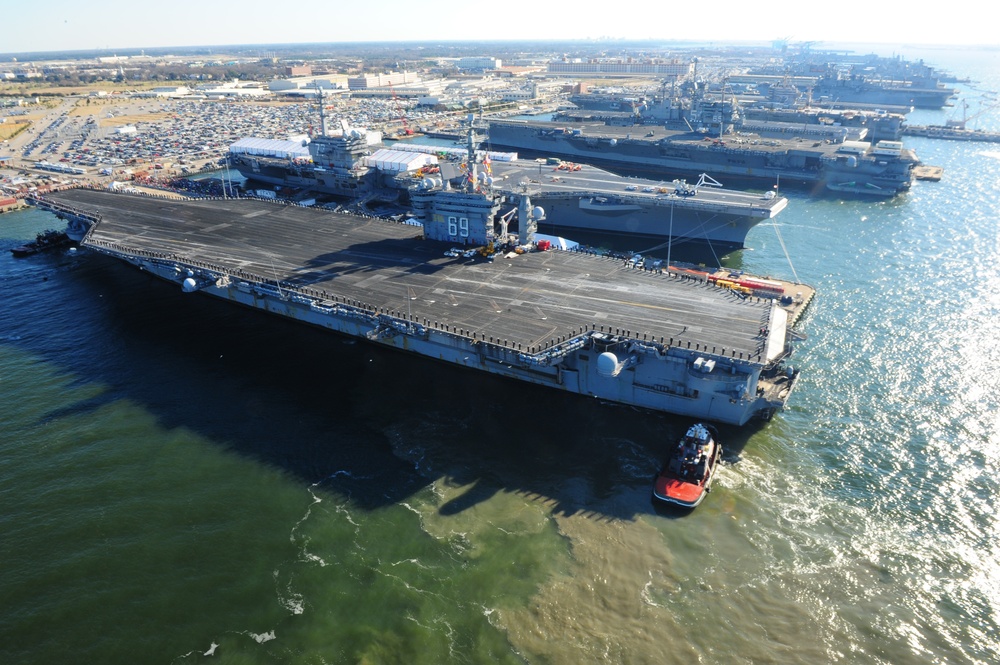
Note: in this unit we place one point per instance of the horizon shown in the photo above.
(62, 26)
(295, 48)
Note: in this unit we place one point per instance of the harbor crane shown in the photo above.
(399, 111)
(966, 118)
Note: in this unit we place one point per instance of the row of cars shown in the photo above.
(181, 131)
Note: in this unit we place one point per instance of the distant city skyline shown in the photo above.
(63, 25)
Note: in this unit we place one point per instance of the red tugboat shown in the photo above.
(687, 475)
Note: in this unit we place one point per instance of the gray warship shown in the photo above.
(856, 80)
(456, 290)
(821, 163)
(771, 110)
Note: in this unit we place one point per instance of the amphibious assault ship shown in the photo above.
(920, 92)
(355, 167)
(820, 164)
(574, 321)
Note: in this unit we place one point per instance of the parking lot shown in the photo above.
(180, 132)
(143, 137)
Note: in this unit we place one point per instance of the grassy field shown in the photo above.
(32, 88)
(12, 127)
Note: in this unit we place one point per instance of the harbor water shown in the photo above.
(183, 478)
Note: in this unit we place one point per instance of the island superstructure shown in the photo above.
(572, 321)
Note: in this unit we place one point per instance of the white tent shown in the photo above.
(270, 148)
(398, 161)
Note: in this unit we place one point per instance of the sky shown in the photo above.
(59, 25)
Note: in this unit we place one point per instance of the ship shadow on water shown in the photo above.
(374, 424)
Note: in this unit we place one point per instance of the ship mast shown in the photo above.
(322, 112)
(471, 157)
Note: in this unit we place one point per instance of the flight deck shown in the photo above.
(529, 299)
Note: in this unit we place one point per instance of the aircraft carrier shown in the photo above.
(693, 108)
(820, 164)
(584, 201)
(352, 165)
(596, 326)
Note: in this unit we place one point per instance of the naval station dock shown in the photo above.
(570, 320)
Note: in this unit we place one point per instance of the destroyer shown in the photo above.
(569, 320)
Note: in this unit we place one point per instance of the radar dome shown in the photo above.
(538, 212)
(607, 364)
(614, 142)
(189, 285)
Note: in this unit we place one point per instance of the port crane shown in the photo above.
(399, 111)
(966, 118)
